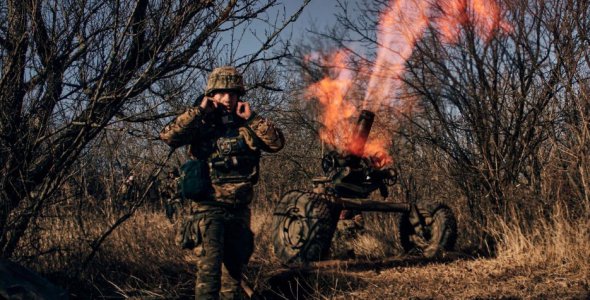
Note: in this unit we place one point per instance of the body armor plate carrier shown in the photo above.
(234, 162)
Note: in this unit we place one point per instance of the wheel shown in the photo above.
(303, 225)
(429, 229)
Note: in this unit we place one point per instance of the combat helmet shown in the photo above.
(225, 78)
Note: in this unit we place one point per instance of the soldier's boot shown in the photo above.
(230, 283)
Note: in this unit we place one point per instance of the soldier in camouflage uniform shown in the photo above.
(169, 194)
(128, 191)
(229, 136)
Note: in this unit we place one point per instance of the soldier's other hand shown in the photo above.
(208, 105)
(243, 110)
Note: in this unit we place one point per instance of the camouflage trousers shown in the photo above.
(224, 244)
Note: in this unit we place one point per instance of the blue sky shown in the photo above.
(318, 14)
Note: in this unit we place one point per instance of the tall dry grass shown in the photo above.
(140, 260)
(559, 241)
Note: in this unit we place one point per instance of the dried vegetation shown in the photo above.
(498, 130)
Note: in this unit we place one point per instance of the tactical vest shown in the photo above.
(233, 161)
(224, 150)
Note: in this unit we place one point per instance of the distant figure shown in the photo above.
(128, 190)
(169, 195)
(349, 227)
(226, 138)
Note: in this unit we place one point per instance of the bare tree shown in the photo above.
(71, 68)
(492, 107)
(492, 104)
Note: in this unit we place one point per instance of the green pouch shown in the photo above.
(194, 180)
(188, 235)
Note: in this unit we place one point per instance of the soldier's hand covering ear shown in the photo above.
(243, 110)
(208, 105)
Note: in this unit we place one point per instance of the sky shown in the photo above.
(318, 13)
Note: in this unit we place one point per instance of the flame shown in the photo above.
(336, 110)
(488, 17)
(454, 14)
(376, 147)
(484, 15)
(401, 24)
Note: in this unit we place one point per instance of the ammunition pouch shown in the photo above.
(194, 180)
(188, 235)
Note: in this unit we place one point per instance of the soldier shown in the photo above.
(169, 194)
(127, 191)
(226, 135)
(349, 227)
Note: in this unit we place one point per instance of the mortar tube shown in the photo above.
(361, 133)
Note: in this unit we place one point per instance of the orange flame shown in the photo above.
(454, 14)
(401, 25)
(336, 111)
(484, 15)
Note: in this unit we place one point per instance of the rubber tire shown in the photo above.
(303, 226)
(441, 232)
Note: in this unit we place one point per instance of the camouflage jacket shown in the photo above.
(230, 145)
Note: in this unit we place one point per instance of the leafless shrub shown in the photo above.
(71, 70)
(501, 120)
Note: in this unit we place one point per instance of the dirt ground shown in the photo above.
(451, 277)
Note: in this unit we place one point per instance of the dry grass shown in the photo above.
(557, 241)
(138, 259)
(548, 260)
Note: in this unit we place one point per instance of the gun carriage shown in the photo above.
(304, 221)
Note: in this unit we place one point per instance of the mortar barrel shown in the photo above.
(361, 132)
